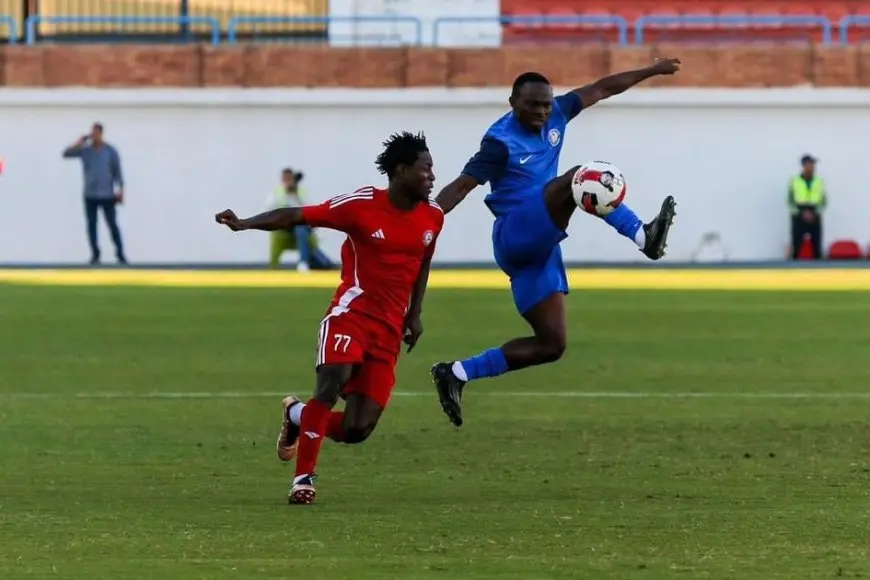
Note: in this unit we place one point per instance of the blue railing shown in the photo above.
(854, 20)
(11, 28)
(235, 23)
(604, 21)
(32, 23)
(732, 22)
(415, 36)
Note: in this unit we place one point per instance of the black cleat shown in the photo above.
(657, 230)
(449, 388)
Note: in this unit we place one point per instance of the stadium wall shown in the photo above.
(759, 65)
(726, 154)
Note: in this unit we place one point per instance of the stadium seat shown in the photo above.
(736, 11)
(845, 250)
(702, 11)
(630, 10)
(835, 11)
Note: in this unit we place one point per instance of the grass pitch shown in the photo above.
(685, 435)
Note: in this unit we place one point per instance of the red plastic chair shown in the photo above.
(845, 250)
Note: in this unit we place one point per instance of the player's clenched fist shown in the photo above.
(413, 331)
(667, 66)
(229, 218)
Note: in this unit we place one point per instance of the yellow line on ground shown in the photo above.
(682, 279)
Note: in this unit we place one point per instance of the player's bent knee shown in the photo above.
(561, 186)
(357, 433)
(359, 425)
(552, 349)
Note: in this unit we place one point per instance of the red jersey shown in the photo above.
(383, 253)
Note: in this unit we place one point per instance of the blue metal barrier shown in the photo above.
(852, 20)
(233, 32)
(617, 22)
(32, 23)
(11, 28)
(733, 22)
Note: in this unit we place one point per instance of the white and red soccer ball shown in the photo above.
(598, 187)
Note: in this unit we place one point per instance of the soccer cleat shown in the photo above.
(657, 230)
(288, 438)
(302, 491)
(449, 388)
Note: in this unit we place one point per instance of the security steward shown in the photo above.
(807, 199)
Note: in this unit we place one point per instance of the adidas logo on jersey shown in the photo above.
(379, 235)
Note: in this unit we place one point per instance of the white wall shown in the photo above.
(726, 156)
(477, 22)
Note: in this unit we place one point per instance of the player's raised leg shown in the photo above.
(527, 249)
(651, 237)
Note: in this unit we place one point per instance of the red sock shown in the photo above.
(333, 426)
(311, 432)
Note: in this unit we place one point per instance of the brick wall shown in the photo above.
(272, 66)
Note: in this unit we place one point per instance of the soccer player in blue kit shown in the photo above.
(519, 157)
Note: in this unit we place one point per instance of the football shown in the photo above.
(598, 187)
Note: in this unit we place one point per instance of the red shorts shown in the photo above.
(370, 346)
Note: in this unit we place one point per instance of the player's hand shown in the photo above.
(413, 331)
(666, 66)
(229, 218)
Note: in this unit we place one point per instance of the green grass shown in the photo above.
(530, 488)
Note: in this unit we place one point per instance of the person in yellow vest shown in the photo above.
(807, 199)
(301, 238)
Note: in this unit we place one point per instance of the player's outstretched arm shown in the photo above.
(487, 164)
(621, 82)
(455, 192)
(276, 219)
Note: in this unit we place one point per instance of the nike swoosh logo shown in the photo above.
(524, 159)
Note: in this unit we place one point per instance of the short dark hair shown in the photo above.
(400, 149)
(98, 126)
(526, 78)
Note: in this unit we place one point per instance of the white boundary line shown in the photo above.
(432, 394)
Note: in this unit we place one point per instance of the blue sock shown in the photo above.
(624, 221)
(489, 363)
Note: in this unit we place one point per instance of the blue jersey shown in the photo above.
(517, 162)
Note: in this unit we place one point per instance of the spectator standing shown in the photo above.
(103, 187)
(807, 200)
(302, 238)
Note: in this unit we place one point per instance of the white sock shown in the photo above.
(459, 371)
(640, 238)
(295, 414)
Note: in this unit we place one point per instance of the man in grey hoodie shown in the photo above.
(103, 187)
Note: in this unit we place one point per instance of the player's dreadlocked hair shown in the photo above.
(526, 78)
(400, 149)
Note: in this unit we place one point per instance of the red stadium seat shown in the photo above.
(845, 250)
(735, 11)
(834, 10)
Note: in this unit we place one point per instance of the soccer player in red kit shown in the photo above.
(385, 262)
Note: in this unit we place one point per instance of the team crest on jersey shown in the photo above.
(554, 136)
(427, 237)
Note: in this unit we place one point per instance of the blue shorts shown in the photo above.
(526, 245)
